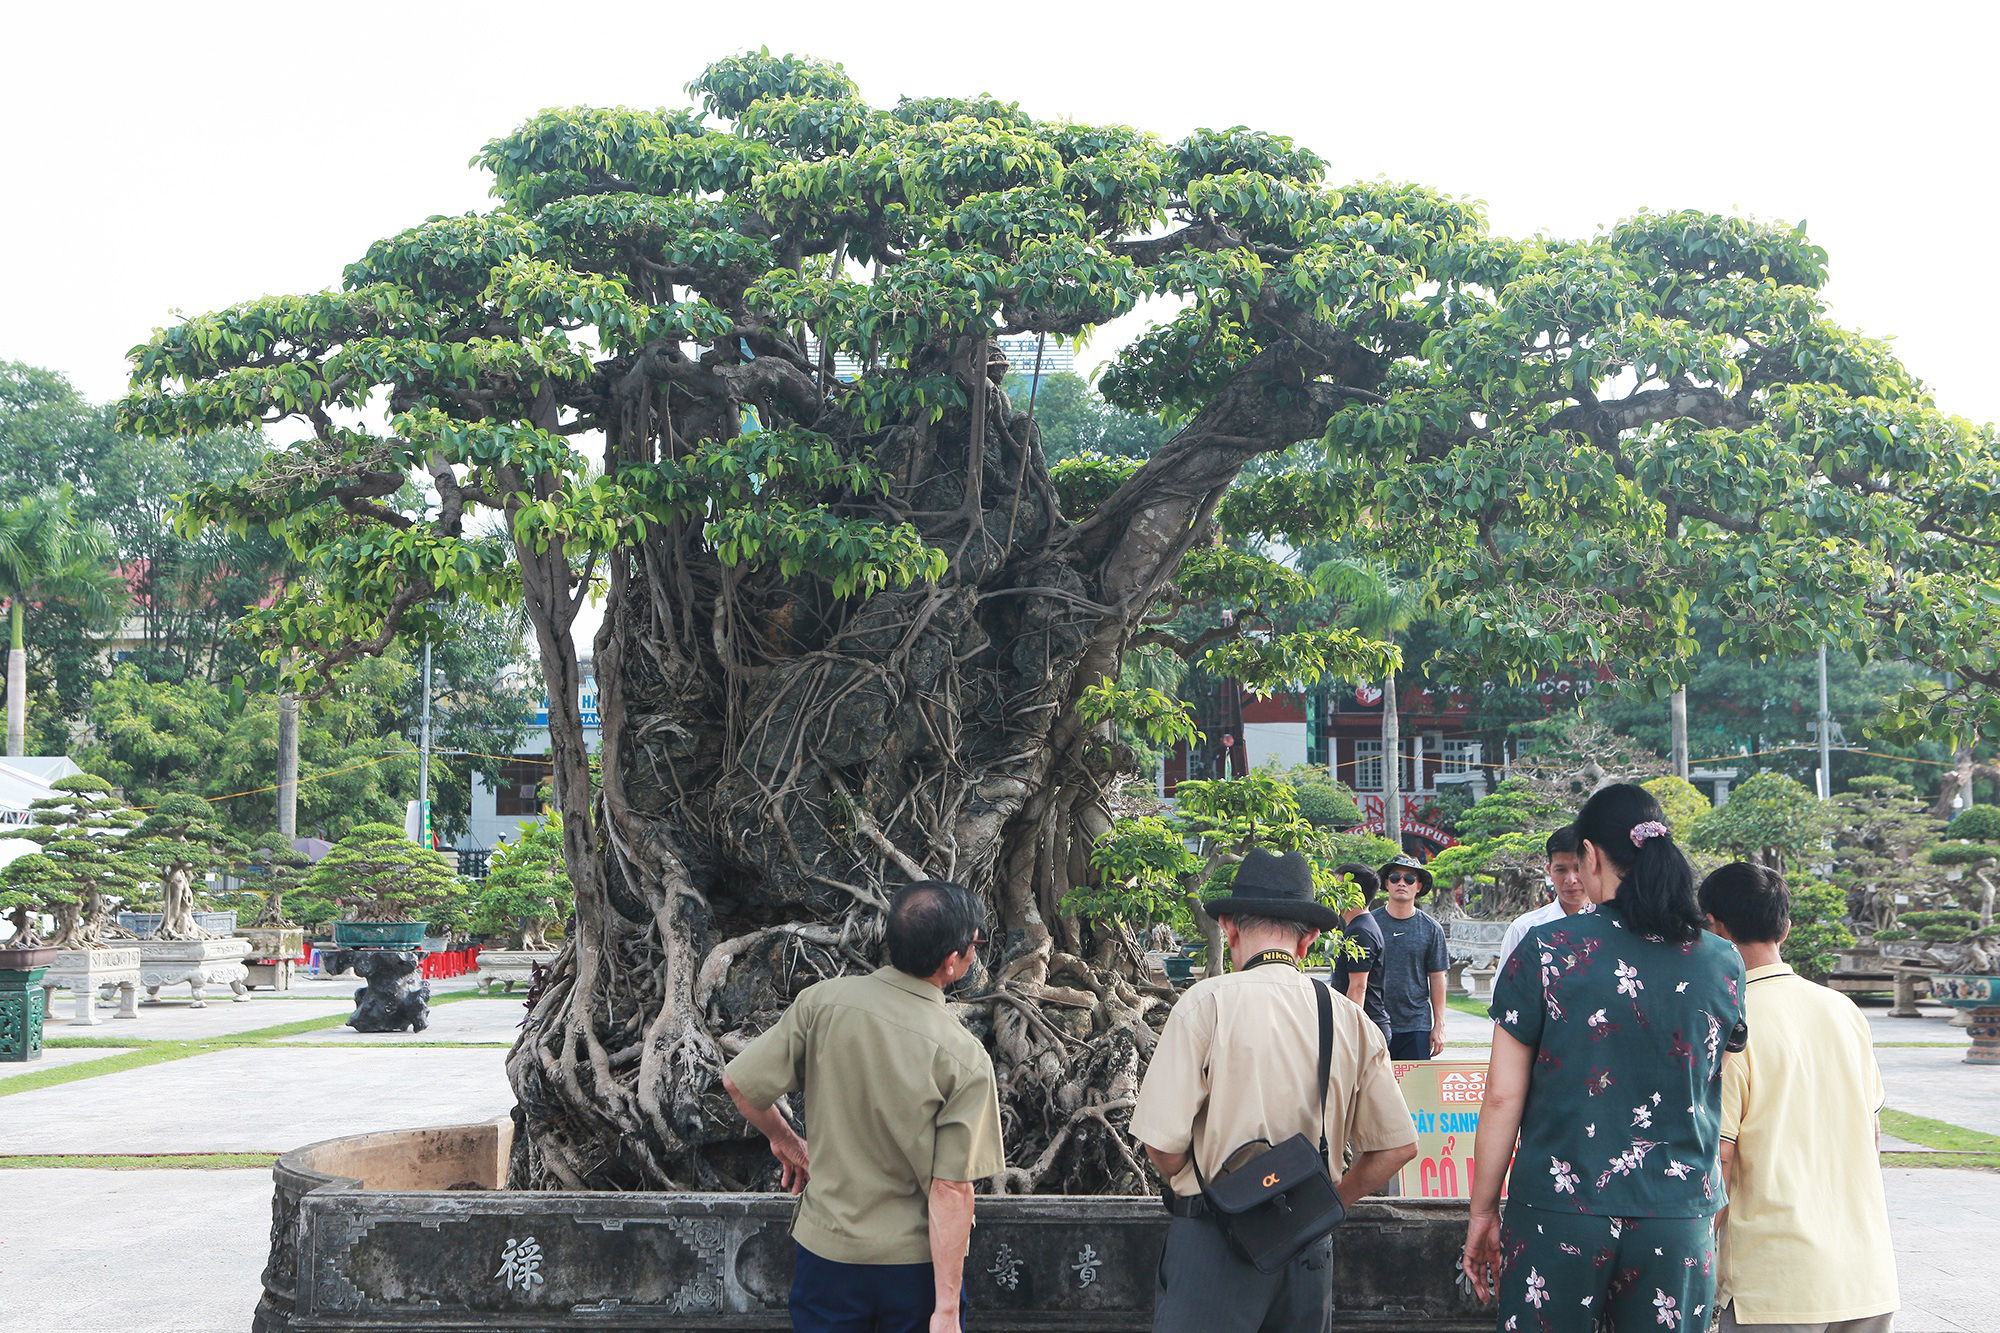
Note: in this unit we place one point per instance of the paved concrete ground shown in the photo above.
(1936, 1082)
(256, 1099)
(174, 1018)
(135, 1262)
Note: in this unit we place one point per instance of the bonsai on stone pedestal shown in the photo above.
(183, 843)
(525, 894)
(85, 866)
(390, 888)
(272, 868)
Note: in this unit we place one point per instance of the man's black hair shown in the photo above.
(1751, 900)
(1364, 878)
(928, 922)
(1563, 842)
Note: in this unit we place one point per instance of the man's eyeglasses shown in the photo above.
(978, 942)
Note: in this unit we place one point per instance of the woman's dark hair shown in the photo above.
(1751, 900)
(928, 922)
(1656, 891)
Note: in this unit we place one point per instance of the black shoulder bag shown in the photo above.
(1272, 1207)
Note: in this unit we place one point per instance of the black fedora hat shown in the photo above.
(1408, 863)
(1277, 886)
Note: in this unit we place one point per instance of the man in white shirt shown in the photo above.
(1570, 895)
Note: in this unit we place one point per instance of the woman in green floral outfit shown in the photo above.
(1610, 1030)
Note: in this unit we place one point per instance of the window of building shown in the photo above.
(1460, 756)
(1368, 766)
(517, 785)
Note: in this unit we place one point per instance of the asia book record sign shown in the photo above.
(1445, 1098)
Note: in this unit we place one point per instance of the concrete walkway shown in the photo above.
(256, 1099)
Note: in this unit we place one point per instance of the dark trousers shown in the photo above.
(1203, 1287)
(1410, 1045)
(831, 1297)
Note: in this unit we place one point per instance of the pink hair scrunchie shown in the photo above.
(1651, 828)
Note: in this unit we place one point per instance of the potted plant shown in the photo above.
(84, 868)
(387, 886)
(1957, 934)
(270, 869)
(526, 894)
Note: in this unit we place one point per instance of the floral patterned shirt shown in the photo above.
(1623, 1116)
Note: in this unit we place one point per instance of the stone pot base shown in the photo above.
(408, 1230)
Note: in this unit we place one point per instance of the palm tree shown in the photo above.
(1381, 607)
(48, 553)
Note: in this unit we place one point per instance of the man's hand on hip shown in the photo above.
(795, 1161)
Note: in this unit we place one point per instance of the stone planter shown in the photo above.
(1978, 998)
(379, 934)
(409, 1230)
(199, 963)
(505, 967)
(87, 972)
(23, 1002)
(143, 924)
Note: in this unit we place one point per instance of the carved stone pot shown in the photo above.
(198, 963)
(410, 1230)
(1977, 997)
(23, 1002)
(87, 972)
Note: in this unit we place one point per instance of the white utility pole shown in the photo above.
(424, 756)
(1825, 733)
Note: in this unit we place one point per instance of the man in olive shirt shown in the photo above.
(904, 1114)
(1238, 1062)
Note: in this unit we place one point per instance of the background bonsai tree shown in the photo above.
(183, 840)
(1882, 830)
(86, 866)
(1769, 818)
(377, 874)
(272, 868)
(852, 615)
(1682, 801)
(526, 889)
(1499, 860)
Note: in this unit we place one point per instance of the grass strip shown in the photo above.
(159, 1053)
(154, 1051)
(148, 1161)
(1465, 1004)
(1937, 1133)
(1933, 1161)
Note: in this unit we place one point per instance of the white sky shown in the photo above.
(192, 155)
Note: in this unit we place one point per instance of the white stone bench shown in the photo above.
(504, 967)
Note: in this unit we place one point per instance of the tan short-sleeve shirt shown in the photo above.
(1239, 1060)
(898, 1094)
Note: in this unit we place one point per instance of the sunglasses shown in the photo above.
(1404, 879)
(978, 942)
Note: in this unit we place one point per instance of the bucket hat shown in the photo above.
(1407, 863)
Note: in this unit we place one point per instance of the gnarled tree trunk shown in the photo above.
(776, 762)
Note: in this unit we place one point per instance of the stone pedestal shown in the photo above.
(504, 967)
(1474, 950)
(275, 974)
(87, 973)
(275, 941)
(23, 1003)
(198, 963)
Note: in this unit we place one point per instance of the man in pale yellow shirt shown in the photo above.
(1805, 1240)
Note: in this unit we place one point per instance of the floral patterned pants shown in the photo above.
(1577, 1273)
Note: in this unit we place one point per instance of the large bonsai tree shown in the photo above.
(85, 868)
(182, 840)
(377, 874)
(527, 888)
(857, 630)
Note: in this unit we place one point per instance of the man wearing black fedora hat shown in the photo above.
(1414, 962)
(1237, 1065)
